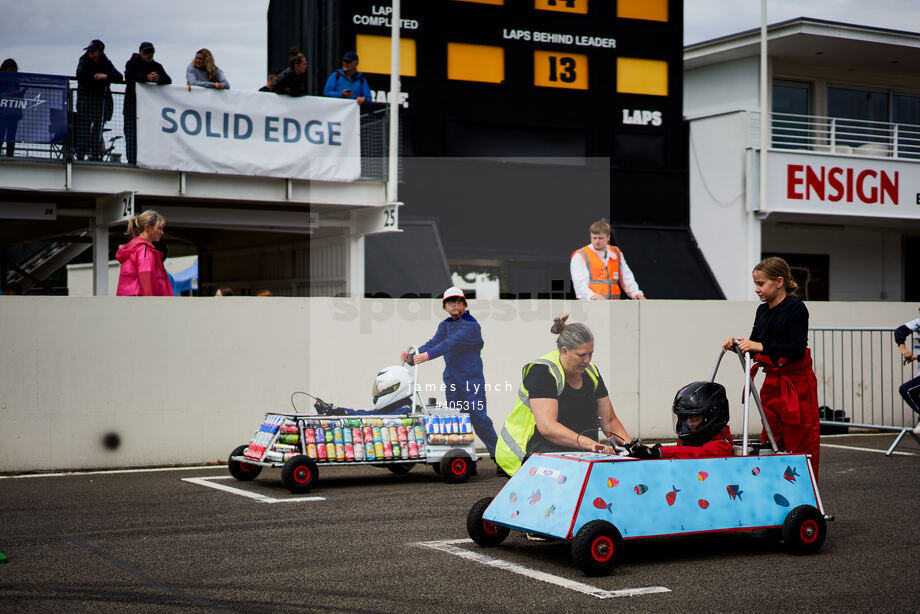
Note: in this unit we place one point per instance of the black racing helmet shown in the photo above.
(700, 398)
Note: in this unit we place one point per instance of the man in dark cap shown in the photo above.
(141, 68)
(347, 82)
(95, 73)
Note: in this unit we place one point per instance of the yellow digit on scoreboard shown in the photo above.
(560, 69)
(562, 6)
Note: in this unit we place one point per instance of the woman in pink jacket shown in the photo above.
(142, 271)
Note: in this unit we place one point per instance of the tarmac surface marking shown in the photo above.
(858, 449)
(449, 546)
(206, 481)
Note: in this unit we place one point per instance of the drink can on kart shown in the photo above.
(327, 433)
(318, 435)
(466, 426)
(401, 434)
(413, 449)
(419, 434)
(357, 436)
(404, 451)
(397, 452)
(340, 452)
(377, 435)
(384, 435)
(430, 424)
(346, 435)
(368, 434)
(321, 452)
(330, 451)
(349, 452)
(394, 434)
(337, 436)
(311, 450)
(437, 439)
(378, 450)
(359, 451)
(387, 450)
(309, 436)
(369, 452)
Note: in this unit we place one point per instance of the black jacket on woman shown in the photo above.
(94, 97)
(290, 83)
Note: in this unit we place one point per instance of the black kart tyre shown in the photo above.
(242, 471)
(804, 530)
(596, 548)
(483, 532)
(456, 467)
(299, 474)
(401, 468)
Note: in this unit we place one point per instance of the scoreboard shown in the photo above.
(577, 81)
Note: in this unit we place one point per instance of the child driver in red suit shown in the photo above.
(701, 423)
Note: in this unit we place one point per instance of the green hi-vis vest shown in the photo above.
(519, 427)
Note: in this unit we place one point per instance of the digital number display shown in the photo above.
(560, 69)
(562, 6)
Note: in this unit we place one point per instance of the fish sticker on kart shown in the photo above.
(535, 496)
(640, 489)
(755, 471)
(781, 500)
(512, 496)
(734, 491)
(549, 511)
(701, 476)
(549, 473)
(703, 503)
(612, 482)
(603, 505)
(515, 513)
(790, 474)
(671, 497)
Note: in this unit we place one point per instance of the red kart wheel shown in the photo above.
(804, 530)
(595, 548)
(456, 467)
(242, 471)
(482, 531)
(299, 474)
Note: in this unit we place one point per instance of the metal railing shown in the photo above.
(98, 132)
(859, 371)
(845, 136)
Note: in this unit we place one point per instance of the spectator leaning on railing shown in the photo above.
(203, 72)
(9, 118)
(141, 68)
(95, 73)
(347, 82)
(293, 80)
(272, 76)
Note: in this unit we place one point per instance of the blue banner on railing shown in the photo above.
(33, 107)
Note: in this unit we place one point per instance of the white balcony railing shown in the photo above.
(845, 136)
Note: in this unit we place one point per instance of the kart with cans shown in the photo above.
(595, 501)
(397, 440)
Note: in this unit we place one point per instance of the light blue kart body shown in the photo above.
(556, 494)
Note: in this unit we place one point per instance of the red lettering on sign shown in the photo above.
(814, 182)
(836, 184)
(793, 180)
(849, 185)
(890, 187)
(872, 197)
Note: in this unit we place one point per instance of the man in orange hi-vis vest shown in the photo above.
(599, 270)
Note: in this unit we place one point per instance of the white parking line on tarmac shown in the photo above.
(207, 481)
(858, 449)
(448, 546)
(107, 471)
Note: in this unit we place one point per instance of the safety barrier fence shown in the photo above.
(44, 117)
(859, 372)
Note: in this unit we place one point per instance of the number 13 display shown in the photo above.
(560, 69)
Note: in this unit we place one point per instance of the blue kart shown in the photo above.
(597, 500)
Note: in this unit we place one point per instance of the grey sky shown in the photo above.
(48, 36)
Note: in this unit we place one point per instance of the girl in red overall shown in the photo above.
(779, 342)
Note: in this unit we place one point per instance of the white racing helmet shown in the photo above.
(452, 292)
(392, 387)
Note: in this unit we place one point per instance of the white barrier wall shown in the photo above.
(186, 381)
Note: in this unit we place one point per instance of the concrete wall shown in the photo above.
(80, 276)
(730, 85)
(186, 381)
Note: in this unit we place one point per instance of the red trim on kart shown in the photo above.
(733, 530)
(584, 485)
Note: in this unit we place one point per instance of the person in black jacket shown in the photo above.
(293, 80)
(95, 73)
(910, 390)
(141, 68)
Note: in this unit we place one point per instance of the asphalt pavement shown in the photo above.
(366, 540)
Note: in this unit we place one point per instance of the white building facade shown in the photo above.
(843, 158)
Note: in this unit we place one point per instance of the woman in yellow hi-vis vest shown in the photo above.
(561, 400)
